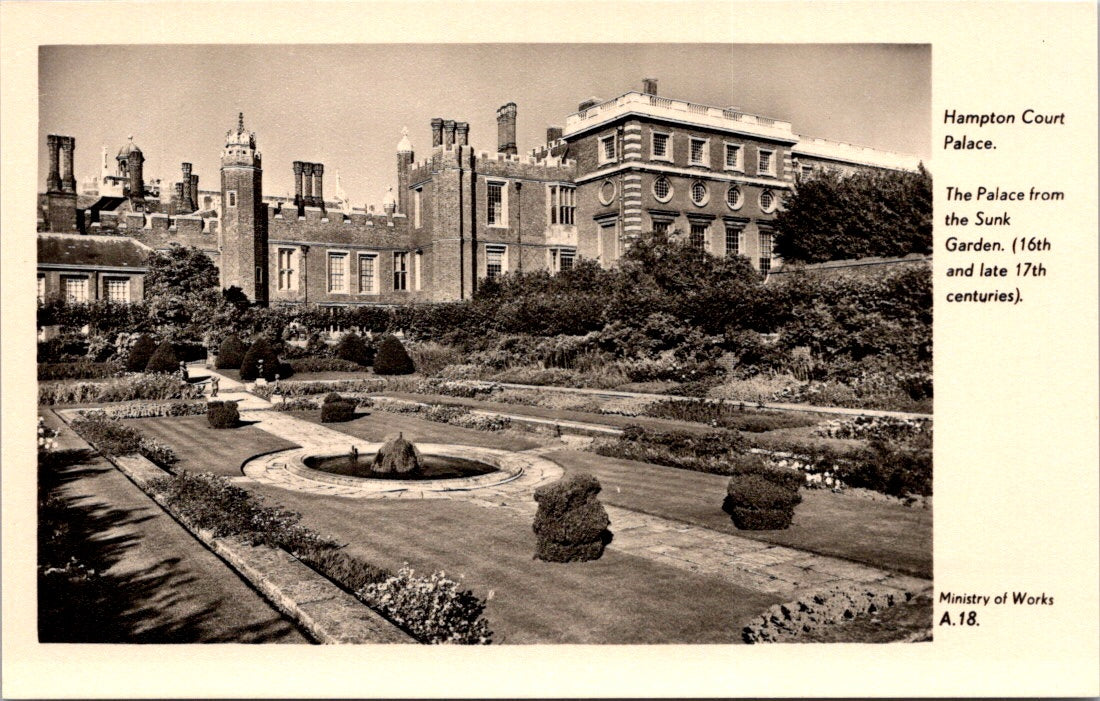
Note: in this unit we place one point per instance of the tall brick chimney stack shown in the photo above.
(649, 86)
(553, 134)
(297, 165)
(186, 198)
(318, 185)
(194, 192)
(68, 179)
(448, 133)
(506, 129)
(462, 134)
(404, 163)
(307, 184)
(437, 132)
(53, 180)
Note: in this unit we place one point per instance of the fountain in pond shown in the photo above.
(397, 456)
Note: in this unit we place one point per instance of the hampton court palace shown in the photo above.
(617, 168)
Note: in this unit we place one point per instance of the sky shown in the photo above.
(345, 105)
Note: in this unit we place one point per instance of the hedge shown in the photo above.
(140, 353)
(164, 360)
(223, 414)
(570, 523)
(391, 358)
(230, 353)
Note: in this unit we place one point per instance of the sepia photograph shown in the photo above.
(484, 344)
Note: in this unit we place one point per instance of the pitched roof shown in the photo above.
(105, 251)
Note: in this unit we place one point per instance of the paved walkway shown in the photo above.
(742, 561)
(164, 586)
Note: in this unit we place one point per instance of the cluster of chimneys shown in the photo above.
(187, 191)
(309, 184)
(448, 133)
(61, 178)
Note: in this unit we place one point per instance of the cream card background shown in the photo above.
(1016, 386)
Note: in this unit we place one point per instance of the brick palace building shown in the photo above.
(616, 168)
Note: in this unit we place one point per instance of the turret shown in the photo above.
(242, 237)
(131, 166)
(404, 163)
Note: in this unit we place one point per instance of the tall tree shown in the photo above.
(870, 213)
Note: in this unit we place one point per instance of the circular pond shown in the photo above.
(432, 467)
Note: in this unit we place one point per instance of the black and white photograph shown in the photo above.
(579, 351)
(615, 360)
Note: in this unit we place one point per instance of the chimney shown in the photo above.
(68, 180)
(437, 132)
(448, 133)
(53, 180)
(307, 184)
(590, 102)
(194, 193)
(180, 205)
(506, 129)
(462, 133)
(318, 184)
(185, 191)
(297, 165)
(649, 86)
(553, 134)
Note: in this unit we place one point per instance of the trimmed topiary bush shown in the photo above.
(222, 414)
(353, 348)
(164, 360)
(250, 364)
(757, 503)
(140, 353)
(337, 409)
(391, 358)
(231, 353)
(571, 523)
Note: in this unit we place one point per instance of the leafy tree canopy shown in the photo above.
(869, 213)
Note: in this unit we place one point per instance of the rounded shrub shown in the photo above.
(164, 359)
(337, 409)
(571, 523)
(140, 353)
(354, 348)
(757, 503)
(222, 414)
(231, 353)
(250, 363)
(392, 358)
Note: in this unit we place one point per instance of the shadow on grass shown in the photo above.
(80, 601)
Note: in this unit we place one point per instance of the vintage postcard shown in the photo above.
(547, 349)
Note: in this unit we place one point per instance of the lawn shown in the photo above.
(881, 534)
(620, 598)
(204, 449)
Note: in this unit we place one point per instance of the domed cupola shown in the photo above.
(404, 145)
(240, 146)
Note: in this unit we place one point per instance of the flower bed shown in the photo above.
(120, 389)
(110, 437)
(723, 415)
(432, 609)
(882, 428)
(145, 410)
(457, 416)
(303, 389)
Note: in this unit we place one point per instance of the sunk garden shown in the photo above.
(634, 477)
